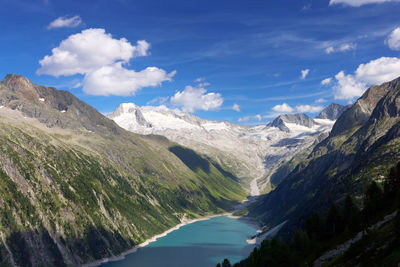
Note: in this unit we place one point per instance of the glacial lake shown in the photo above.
(200, 244)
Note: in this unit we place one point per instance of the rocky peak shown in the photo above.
(123, 109)
(132, 110)
(299, 119)
(22, 86)
(389, 105)
(362, 109)
(17, 82)
(332, 112)
(52, 107)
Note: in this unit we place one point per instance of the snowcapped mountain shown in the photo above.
(252, 153)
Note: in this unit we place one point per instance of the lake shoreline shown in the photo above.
(177, 227)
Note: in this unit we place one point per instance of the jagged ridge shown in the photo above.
(363, 144)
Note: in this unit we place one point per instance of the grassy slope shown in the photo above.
(95, 196)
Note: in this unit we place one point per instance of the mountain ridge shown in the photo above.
(251, 152)
(75, 187)
(345, 162)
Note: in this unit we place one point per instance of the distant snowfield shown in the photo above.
(251, 152)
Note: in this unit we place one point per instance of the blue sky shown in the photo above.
(267, 57)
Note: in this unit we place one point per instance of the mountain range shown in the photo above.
(363, 145)
(75, 187)
(252, 153)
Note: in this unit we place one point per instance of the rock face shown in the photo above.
(50, 106)
(252, 153)
(360, 111)
(299, 119)
(332, 112)
(75, 187)
(363, 145)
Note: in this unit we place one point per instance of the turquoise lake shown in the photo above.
(200, 244)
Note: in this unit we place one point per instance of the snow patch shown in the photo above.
(41, 99)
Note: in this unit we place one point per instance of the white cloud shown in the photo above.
(236, 107)
(393, 41)
(326, 81)
(201, 82)
(102, 59)
(82, 53)
(284, 108)
(376, 71)
(341, 48)
(348, 87)
(304, 73)
(256, 117)
(321, 100)
(196, 98)
(357, 3)
(308, 109)
(62, 22)
(116, 80)
(329, 50)
(347, 47)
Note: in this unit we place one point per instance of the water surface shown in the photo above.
(200, 244)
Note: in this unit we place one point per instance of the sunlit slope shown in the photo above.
(75, 187)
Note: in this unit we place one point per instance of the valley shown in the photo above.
(199, 133)
(252, 153)
(89, 190)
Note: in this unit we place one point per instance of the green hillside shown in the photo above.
(74, 187)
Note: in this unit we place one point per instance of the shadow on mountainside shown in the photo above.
(191, 158)
(96, 244)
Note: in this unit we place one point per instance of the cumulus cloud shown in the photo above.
(284, 108)
(374, 72)
(326, 81)
(341, 48)
(379, 70)
(102, 59)
(65, 22)
(196, 98)
(358, 3)
(116, 80)
(348, 87)
(82, 53)
(304, 73)
(393, 41)
(308, 109)
(236, 107)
